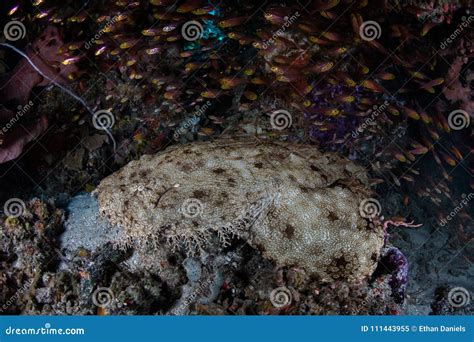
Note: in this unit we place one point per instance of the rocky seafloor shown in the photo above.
(395, 101)
(57, 258)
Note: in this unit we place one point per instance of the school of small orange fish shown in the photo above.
(310, 57)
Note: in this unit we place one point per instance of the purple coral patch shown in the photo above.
(397, 264)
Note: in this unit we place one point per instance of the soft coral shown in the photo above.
(12, 144)
(45, 54)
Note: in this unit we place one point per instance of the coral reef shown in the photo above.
(397, 263)
(336, 101)
(28, 253)
(88, 277)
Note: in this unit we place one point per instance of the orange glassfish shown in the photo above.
(372, 85)
(411, 113)
(321, 67)
(278, 15)
(232, 22)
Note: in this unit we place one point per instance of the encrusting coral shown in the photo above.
(297, 206)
